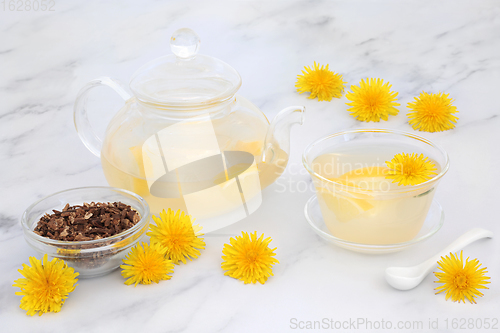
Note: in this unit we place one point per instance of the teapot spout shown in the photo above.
(278, 135)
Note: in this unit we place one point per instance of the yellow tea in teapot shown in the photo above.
(171, 190)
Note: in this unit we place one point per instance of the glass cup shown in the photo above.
(357, 202)
(93, 257)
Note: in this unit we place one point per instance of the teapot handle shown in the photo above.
(82, 124)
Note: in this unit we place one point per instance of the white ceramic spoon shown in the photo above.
(406, 278)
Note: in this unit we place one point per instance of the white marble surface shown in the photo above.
(451, 46)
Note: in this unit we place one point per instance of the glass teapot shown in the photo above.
(185, 140)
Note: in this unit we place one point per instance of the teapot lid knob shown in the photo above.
(185, 43)
(185, 77)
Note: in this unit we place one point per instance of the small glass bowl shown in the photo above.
(433, 222)
(94, 257)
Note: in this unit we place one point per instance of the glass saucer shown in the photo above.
(433, 222)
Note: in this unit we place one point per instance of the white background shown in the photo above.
(449, 46)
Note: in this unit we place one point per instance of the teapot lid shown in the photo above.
(185, 78)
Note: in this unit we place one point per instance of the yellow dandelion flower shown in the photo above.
(145, 264)
(321, 82)
(372, 100)
(45, 286)
(461, 281)
(432, 113)
(410, 169)
(176, 232)
(249, 259)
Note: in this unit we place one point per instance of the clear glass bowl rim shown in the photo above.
(138, 226)
(307, 163)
